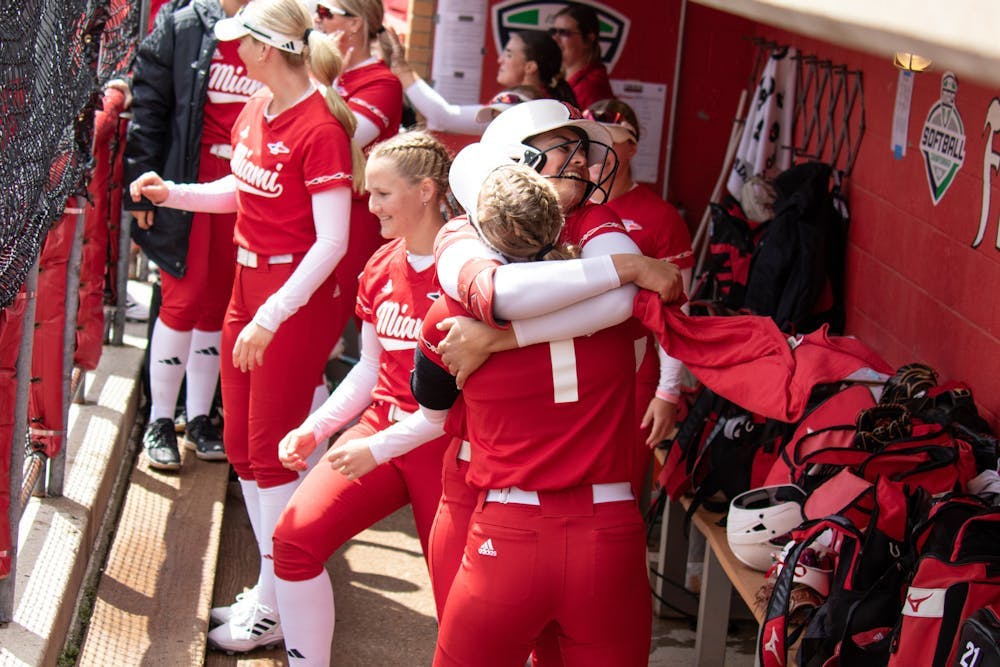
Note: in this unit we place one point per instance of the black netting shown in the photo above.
(49, 84)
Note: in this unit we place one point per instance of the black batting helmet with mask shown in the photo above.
(519, 125)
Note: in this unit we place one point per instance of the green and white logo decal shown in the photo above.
(514, 15)
(943, 140)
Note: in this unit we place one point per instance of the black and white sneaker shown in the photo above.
(160, 444)
(255, 626)
(201, 436)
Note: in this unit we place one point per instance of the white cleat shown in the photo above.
(220, 615)
(256, 626)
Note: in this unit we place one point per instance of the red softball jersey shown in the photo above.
(279, 165)
(229, 89)
(548, 416)
(655, 226)
(374, 92)
(395, 298)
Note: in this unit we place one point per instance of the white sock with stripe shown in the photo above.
(251, 498)
(168, 357)
(272, 503)
(307, 619)
(202, 371)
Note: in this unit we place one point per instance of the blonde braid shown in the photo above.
(418, 155)
(519, 215)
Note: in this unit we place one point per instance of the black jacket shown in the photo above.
(170, 86)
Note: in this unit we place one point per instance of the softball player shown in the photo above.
(660, 232)
(545, 515)
(529, 68)
(182, 120)
(293, 164)
(360, 480)
(576, 29)
(375, 96)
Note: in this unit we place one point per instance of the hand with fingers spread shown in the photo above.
(396, 59)
(248, 352)
(295, 448)
(351, 458)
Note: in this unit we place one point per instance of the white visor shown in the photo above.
(246, 22)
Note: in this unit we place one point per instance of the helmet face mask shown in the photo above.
(557, 162)
(552, 134)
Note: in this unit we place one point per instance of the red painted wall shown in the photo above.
(917, 289)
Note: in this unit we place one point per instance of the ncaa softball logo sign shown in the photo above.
(514, 15)
(943, 140)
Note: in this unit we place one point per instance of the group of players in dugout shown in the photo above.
(503, 389)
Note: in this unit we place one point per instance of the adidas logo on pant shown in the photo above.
(486, 548)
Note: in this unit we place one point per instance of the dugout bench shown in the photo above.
(722, 574)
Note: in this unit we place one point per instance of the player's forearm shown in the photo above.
(331, 213)
(440, 114)
(214, 197)
(578, 319)
(406, 435)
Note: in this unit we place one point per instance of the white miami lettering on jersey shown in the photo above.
(396, 330)
(227, 84)
(253, 178)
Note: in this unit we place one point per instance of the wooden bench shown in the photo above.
(721, 575)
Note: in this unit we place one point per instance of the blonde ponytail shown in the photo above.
(325, 63)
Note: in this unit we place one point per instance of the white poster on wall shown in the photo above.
(459, 36)
(649, 101)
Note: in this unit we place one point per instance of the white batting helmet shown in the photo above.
(516, 126)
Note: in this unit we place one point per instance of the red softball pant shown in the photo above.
(198, 300)
(568, 561)
(327, 510)
(262, 405)
(451, 525)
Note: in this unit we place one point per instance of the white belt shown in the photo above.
(396, 414)
(224, 151)
(250, 258)
(603, 493)
(465, 451)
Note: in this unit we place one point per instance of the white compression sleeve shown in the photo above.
(442, 115)
(366, 131)
(214, 197)
(354, 393)
(579, 319)
(524, 289)
(669, 385)
(331, 215)
(406, 435)
(454, 257)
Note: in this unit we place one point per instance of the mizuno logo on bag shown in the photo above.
(486, 548)
(924, 602)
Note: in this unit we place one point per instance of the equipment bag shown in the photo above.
(952, 580)
(979, 639)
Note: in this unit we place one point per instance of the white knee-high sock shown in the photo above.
(307, 618)
(168, 357)
(251, 498)
(319, 398)
(272, 503)
(202, 371)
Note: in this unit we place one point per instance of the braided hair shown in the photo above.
(418, 155)
(519, 215)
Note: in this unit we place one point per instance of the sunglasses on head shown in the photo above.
(326, 12)
(563, 32)
(611, 118)
(507, 98)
